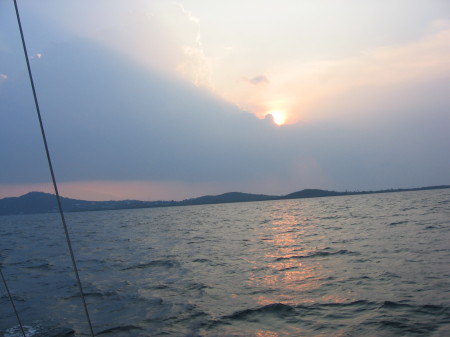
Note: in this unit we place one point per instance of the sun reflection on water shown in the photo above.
(266, 333)
(288, 271)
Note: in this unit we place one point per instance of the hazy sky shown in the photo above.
(175, 99)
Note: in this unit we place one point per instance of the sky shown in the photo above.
(167, 100)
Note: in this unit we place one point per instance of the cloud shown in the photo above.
(195, 65)
(147, 126)
(36, 56)
(269, 118)
(257, 80)
(300, 88)
(139, 35)
(150, 132)
(439, 25)
(3, 77)
(161, 36)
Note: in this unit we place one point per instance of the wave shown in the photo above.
(43, 266)
(397, 317)
(202, 260)
(94, 294)
(119, 329)
(431, 309)
(155, 263)
(274, 308)
(37, 330)
(322, 253)
(282, 309)
(398, 223)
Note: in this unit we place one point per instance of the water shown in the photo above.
(369, 265)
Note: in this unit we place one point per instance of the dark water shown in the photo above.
(371, 265)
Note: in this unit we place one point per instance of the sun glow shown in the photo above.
(279, 117)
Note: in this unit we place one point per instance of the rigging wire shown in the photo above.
(12, 303)
(55, 186)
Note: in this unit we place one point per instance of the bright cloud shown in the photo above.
(221, 47)
(195, 65)
(298, 87)
(298, 84)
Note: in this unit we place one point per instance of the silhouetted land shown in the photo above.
(39, 202)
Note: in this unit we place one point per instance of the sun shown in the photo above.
(279, 117)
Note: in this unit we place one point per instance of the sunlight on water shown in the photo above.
(265, 333)
(284, 236)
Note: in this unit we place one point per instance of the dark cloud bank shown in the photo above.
(108, 119)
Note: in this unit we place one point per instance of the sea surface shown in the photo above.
(367, 265)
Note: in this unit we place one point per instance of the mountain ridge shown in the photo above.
(40, 202)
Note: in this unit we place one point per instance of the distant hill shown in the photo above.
(39, 202)
(312, 193)
(228, 197)
(315, 193)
